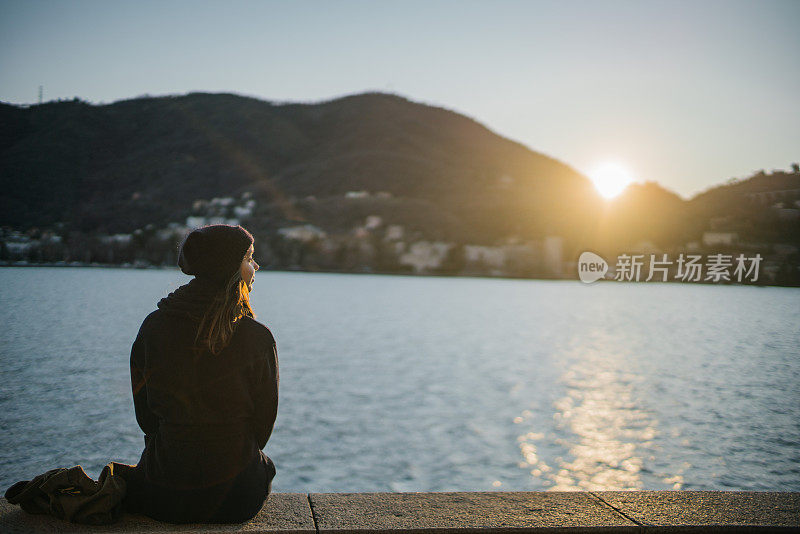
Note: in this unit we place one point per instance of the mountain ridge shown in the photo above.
(83, 163)
(114, 168)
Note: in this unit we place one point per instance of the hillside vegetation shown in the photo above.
(82, 171)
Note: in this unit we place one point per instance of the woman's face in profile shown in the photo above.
(249, 268)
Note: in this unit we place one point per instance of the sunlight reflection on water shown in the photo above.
(603, 432)
(610, 432)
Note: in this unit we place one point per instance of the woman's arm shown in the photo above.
(265, 396)
(147, 420)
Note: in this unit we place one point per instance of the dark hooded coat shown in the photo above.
(205, 417)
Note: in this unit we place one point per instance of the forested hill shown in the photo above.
(79, 171)
(117, 167)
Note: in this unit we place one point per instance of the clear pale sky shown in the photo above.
(686, 93)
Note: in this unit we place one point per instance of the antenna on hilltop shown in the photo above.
(41, 92)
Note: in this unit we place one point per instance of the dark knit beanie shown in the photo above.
(214, 252)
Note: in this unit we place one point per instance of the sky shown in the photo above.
(685, 93)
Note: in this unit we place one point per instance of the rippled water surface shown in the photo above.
(392, 383)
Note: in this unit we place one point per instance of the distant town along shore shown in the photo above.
(347, 186)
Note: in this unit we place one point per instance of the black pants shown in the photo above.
(233, 501)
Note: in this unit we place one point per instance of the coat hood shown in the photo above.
(190, 300)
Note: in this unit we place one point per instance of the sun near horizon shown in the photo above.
(610, 178)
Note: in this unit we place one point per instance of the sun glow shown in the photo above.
(610, 178)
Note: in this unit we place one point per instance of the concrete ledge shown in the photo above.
(285, 513)
(419, 513)
(707, 511)
(478, 512)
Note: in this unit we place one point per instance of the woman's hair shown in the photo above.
(220, 320)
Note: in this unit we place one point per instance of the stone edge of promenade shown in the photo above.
(420, 513)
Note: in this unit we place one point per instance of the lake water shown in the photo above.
(393, 383)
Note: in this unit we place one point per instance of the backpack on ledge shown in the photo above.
(70, 494)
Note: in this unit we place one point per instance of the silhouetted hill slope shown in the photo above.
(645, 212)
(750, 207)
(120, 166)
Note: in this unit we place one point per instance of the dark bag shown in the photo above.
(70, 494)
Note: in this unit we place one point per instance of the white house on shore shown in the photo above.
(711, 239)
(554, 254)
(304, 233)
(423, 255)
